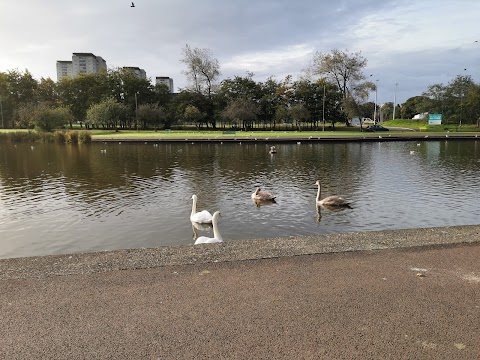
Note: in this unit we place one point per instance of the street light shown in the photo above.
(323, 111)
(461, 104)
(394, 100)
(136, 110)
(375, 110)
(1, 112)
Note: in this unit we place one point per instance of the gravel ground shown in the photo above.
(407, 294)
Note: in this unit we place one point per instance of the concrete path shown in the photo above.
(409, 302)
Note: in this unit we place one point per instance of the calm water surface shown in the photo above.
(64, 198)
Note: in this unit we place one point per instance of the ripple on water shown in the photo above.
(140, 196)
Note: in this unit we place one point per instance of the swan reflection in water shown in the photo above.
(330, 208)
(259, 202)
(217, 238)
(206, 227)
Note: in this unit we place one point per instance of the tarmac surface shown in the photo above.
(406, 294)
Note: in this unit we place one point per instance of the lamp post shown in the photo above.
(394, 100)
(1, 112)
(375, 110)
(136, 111)
(323, 110)
(461, 102)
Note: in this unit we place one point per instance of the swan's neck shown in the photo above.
(216, 233)
(319, 192)
(194, 206)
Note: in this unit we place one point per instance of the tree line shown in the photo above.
(333, 88)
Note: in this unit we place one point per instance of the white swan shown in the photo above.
(217, 238)
(262, 195)
(330, 200)
(272, 150)
(199, 217)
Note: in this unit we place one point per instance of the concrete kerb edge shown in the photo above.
(230, 251)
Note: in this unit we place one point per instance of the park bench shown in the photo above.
(423, 128)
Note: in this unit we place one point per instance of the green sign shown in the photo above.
(435, 119)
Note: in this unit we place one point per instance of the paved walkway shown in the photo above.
(411, 302)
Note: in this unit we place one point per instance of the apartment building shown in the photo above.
(140, 73)
(166, 81)
(64, 69)
(82, 63)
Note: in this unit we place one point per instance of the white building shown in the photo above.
(140, 73)
(165, 80)
(64, 69)
(82, 63)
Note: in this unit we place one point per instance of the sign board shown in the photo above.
(435, 119)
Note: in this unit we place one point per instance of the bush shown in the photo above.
(23, 136)
(60, 137)
(46, 137)
(72, 137)
(48, 119)
(84, 137)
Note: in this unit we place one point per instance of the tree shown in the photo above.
(240, 86)
(387, 111)
(21, 86)
(202, 71)
(16, 89)
(193, 114)
(50, 118)
(151, 114)
(131, 90)
(268, 101)
(345, 70)
(472, 104)
(299, 114)
(437, 95)
(414, 105)
(184, 98)
(242, 109)
(108, 113)
(24, 117)
(457, 90)
(80, 93)
(46, 92)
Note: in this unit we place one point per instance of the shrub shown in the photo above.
(23, 136)
(48, 119)
(72, 137)
(46, 137)
(84, 137)
(60, 137)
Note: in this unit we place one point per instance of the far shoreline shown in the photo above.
(219, 138)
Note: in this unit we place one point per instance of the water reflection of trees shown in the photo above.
(85, 170)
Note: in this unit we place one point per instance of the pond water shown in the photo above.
(66, 198)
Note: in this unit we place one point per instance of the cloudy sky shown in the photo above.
(412, 43)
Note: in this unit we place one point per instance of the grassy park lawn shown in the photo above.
(396, 127)
(214, 134)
